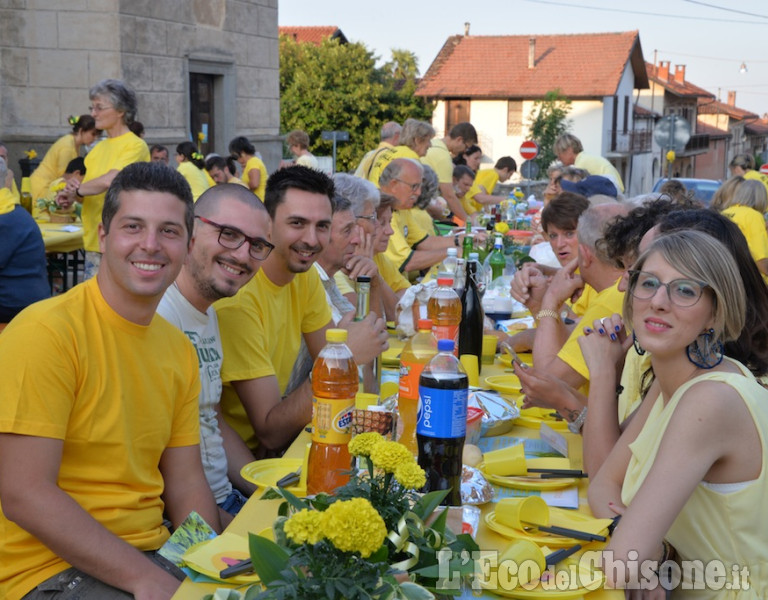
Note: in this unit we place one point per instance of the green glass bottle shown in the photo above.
(497, 260)
(469, 242)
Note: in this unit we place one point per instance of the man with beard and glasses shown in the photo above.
(263, 325)
(230, 240)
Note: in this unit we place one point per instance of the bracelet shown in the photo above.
(77, 192)
(576, 425)
(456, 240)
(548, 313)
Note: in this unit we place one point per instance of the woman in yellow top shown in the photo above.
(114, 107)
(699, 447)
(191, 166)
(63, 150)
(745, 202)
(254, 171)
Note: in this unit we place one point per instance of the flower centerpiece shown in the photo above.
(58, 212)
(369, 540)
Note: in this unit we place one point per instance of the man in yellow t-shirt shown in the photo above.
(99, 433)
(555, 350)
(390, 137)
(415, 138)
(485, 181)
(263, 326)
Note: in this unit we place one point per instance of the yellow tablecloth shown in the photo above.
(58, 240)
(257, 514)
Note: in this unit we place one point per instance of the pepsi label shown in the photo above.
(442, 413)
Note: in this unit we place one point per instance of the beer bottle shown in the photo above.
(472, 317)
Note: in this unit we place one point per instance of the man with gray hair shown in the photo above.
(390, 137)
(555, 350)
(410, 247)
(570, 151)
(415, 139)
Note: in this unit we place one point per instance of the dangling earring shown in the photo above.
(707, 353)
(638, 348)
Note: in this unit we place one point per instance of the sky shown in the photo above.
(709, 37)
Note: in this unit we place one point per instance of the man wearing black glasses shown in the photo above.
(229, 244)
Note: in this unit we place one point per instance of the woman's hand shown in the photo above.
(604, 345)
(546, 391)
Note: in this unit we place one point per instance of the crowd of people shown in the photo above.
(138, 396)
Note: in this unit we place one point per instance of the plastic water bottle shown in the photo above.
(442, 426)
(418, 351)
(444, 308)
(334, 386)
(451, 261)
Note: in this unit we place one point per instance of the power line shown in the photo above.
(727, 9)
(736, 60)
(647, 14)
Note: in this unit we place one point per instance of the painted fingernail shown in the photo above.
(617, 328)
(613, 337)
(601, 331)
(587, 330)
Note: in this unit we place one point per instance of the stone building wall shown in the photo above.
(52, 51)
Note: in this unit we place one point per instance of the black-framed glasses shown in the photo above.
(682, 292)
(413, 186)
(232, 238)
(370, 218)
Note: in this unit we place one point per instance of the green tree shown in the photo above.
(338, 87)
(547, 121)
(403, 66)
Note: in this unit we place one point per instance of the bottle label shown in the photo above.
(448, 332)
(331, 419)
(442, 413)
(409, 379)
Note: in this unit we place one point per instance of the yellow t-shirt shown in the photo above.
(757, 176)
(439, 158)
(389, 273)
(387, 156)
(255, 163)
(364, 168)
(261, 332)
(752, 225)
(579, 307)
(344, 283)
(117, 394)
(485, 182)
(53, 165)
(108, 154)
(196, 178)
(605, 303)
(407, 234)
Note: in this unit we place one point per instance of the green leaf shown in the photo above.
(426, 505)
(439, 523)
(267, 557)
(413, 591)
(294, 501)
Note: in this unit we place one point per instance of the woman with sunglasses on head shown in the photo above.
(687, 473)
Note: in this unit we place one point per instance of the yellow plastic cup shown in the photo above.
(472, 368)
(506, 462)
(522, 561)
(363, 400)
(489, 349)
(520, 513)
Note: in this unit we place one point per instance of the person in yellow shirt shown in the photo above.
(114, 108)
(485, 181)
(254, 171)
(570, 151)
(744, 165)
(63, 150)
(99, 426)
(222, 170)
(41, 209)
(390, 137)
(415, 138)
(192, 166)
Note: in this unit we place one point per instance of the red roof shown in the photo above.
(582, 66)
(674, 82)
(313, 35)
(759, 127)
(710, 130)
(717, 107)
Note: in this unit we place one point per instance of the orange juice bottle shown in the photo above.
(334, 385)
(418, 351)
(444, 308)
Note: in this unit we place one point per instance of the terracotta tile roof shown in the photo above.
(674, 82)
(759, 127)
(707, 107)
(313, 35)
(582, 66)
(710, 130)
(645, 113)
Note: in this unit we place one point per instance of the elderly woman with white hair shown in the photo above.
(114, 107)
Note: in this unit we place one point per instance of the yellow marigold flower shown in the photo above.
(361, 445)
(410, 476)
(31, 154)
(305, 526)
(60, 186)
(200, 136)
(354, 526)
(390, 455)
(501, 227)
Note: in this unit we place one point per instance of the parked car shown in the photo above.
(703, 189)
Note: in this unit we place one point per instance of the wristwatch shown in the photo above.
(545, 312)
(456, 240)
(576, 425)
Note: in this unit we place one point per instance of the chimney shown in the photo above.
(531, 53)
(731, 98)
(680, 74)
(466, 28)
(663, 70)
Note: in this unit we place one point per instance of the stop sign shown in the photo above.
(764, 169)
(529, 150)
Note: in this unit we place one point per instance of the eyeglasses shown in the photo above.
(682, 292)
(413, 186)
(98, 109)
(232, 239)
(371, 218)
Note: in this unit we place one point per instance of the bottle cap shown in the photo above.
(474, 256)
(336, 335)
(363, 279)
(425, 324)
(445, 281)
(445, 345)
(453, 252)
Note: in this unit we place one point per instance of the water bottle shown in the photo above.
(442, 426)
(444, 308)
(451, 261)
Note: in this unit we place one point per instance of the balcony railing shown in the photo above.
(630, 142)
(698, 142)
